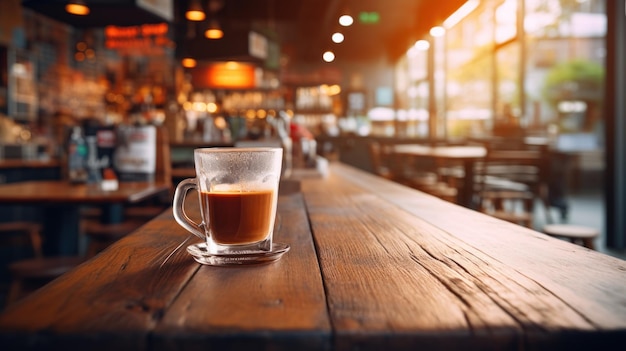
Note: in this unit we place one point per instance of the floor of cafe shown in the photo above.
(586, 207)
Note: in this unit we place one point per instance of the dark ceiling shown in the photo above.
(302, 27)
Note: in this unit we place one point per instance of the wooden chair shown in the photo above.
(381, 168)
(509, 183)
(28, 274)
(100, 235)
(426, 180)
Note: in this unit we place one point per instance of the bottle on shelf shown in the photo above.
(77, 156)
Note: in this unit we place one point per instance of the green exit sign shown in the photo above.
(369, 17)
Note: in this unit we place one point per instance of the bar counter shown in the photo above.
(19, 163)
(373, 265)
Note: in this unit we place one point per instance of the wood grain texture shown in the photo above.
(373, 265)
(122, 292)
(277, 306)
(123, 298)
(454, 276)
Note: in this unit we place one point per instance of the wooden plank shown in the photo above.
(59, 191)
(468, 278)
(590, 273)
(122, 292)
(277, 306)
(118, 298)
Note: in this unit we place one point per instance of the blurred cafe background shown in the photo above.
(547, 74)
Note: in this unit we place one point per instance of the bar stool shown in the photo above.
(101, 235)
(28, 274)
(575, 233)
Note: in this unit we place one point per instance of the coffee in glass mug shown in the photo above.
(238, 193)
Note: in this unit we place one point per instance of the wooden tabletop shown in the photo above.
(62, 191)
(450, 152)
(19, 163)
(373, 265)
(61, 201)
(467, 154)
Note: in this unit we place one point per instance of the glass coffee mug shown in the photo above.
(238, 193)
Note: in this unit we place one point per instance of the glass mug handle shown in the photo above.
(179, 208)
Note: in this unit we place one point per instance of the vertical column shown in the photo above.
(433, 131)
(615, 116)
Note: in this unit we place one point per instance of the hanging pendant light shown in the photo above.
(214, 30)
(346, 20)
(77, 7)
(189, 62)
(337, 37)
(345, 17)
(328, 56)
(195, 11)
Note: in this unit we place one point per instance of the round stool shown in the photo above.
(575, 233)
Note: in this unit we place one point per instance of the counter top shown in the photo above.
(373, 265)
(18, 163)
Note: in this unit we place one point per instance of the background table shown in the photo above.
(373, 265)
(61, 202)
(468, 155)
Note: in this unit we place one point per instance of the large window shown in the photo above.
(508, 107)
(470, 73)
(533, 65)
(412, 90)
(565, 64)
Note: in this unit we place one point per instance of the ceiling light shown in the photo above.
(195, 11)
(214, 31)
(437, 31)
(422, 45)
(337, 38)
(328, 56)
(346, 20)
(77, 7)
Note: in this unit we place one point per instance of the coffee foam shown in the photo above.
(230, 188)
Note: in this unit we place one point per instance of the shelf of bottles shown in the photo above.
(22, 88)
(316, 106)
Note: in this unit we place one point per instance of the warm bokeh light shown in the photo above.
(329, 56)
(211, 107)
(195, 11)
(77, 8)
(199, 106)
(330, 90)
(337, 38)
(220, 122)
(422, 45)
(214, 33)
(346, 20)
(231, 74)
(188, 62)
(250, 114)
(437, 31)
(197, 16)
